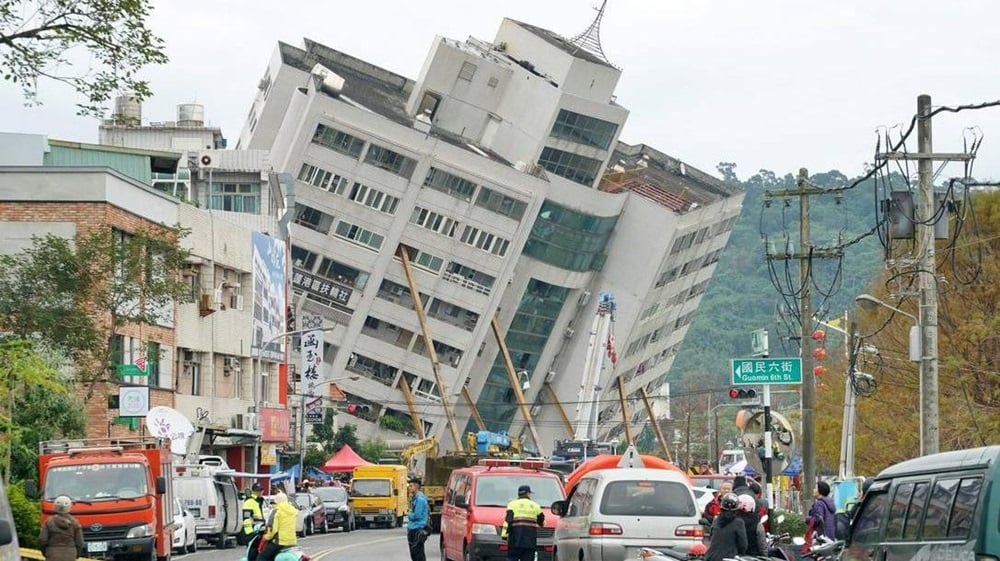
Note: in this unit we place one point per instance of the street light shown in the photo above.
(868, 301)
(302, 421)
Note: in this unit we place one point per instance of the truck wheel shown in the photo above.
(399, 521)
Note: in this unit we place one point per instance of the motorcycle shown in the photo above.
(294, 553)
(695, 552)
(823, 549)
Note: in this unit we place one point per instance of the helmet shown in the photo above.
(730, 501)
(747, 503)
(255, 487)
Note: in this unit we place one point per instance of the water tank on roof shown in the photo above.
(330, 82)
(190, 115)
(128, 110)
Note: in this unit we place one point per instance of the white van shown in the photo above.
(9, 549)
(210, 494)
(611, 514)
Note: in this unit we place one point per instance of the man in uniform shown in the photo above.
(520, 529)
(417, 520)
(252, 514)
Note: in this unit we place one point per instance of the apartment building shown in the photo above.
(500, 173)
(200, 360)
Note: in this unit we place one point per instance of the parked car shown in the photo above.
(338, 507)
(703, 496)
(315, 511)
(300, 522)
(185, 532)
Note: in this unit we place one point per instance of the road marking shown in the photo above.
(326, 552)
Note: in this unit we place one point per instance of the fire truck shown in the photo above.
(121, 491)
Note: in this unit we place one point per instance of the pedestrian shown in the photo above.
(729, 533)
(253, 514)
(280, 534)
(520, 527)
(417, 520)
(61, 537)
(713, 508)
(756, 536)
(821, 515)
(740, 485)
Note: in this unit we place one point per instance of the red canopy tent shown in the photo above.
(345, 460)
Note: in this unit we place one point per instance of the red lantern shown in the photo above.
(818, 335)
(819, 370)
(819, 353)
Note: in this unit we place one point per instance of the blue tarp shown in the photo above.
(315, 473)
(290, 473)
(794, 468)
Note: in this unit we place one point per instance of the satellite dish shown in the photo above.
(164, 422)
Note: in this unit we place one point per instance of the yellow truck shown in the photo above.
(380, 495)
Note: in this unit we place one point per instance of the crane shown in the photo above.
(600, 345)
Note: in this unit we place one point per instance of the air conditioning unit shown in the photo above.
(206, 303)
(569, 333)
(231, 364)
(584, 298)
(550, 376)
(187, 355)
(239, 421)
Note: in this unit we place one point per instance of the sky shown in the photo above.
(767, 84)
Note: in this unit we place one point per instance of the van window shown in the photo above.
(914, 511)
(498, 490)
(939, 509)
(649, 498)
(897, 514)
(866, 526)
(583, 497)
(965, 508)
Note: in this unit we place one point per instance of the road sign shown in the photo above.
(314, 411)
(129, 370)
(747, 371)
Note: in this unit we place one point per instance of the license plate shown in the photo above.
(369, 518)
(97, 547)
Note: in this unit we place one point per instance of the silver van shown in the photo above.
(611, 514)
(210, 495)
(9, 549)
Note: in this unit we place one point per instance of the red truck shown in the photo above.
(121, 492)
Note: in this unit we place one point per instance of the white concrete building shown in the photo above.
(500, 172)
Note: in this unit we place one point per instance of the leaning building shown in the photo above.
(499, 176)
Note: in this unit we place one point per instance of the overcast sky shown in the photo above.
(773, 84)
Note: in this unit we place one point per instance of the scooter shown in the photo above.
(294, 553)
(823, 549)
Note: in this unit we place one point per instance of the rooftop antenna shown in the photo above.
(590, 39)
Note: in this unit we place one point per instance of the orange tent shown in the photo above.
(610, 461)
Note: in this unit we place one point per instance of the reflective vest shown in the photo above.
(253, 507)
(520, 528)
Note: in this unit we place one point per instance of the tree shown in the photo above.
(346, 435)
(372, 449)
(75, 296)
(97, 47)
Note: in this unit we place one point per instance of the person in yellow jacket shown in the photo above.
(252, 514)
(281, 531)
(520, 528)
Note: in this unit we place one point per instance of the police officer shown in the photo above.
(520, 529)
(417, 520)
(252, 513)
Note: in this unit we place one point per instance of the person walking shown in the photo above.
(253, 514)
(281, 532)
(729, 533)
(821, 517)
(417, 520)
(61, 537)
(520, 527)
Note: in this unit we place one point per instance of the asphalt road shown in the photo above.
(359, 545)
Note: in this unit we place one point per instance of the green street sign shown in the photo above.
(129, 370)
(750, 371)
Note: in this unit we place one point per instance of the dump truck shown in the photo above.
(121, 490)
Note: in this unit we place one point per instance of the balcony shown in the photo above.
(387, 332)
(466, 283)
(373, 369)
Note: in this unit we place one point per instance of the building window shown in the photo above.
(388, 160)
(429, 105)
(326, 180)
(235, 197)
(500, 203)
(569, 239)
(493, 82)
(467, 72)
(427, 261)
(485, 241)
(434, 221)
(382, 202)
(313, 219)
(303, 258)
(449, 184)
(338, 141)
(583, 129)
(359, 235)
(577, 168)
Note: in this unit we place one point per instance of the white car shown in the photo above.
(703, 497)
(185, 533)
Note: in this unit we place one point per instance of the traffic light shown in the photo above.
(358, 409)
(742, 393)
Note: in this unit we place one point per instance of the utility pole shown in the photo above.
(924, 269)
(804, 189)
(927, 282)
